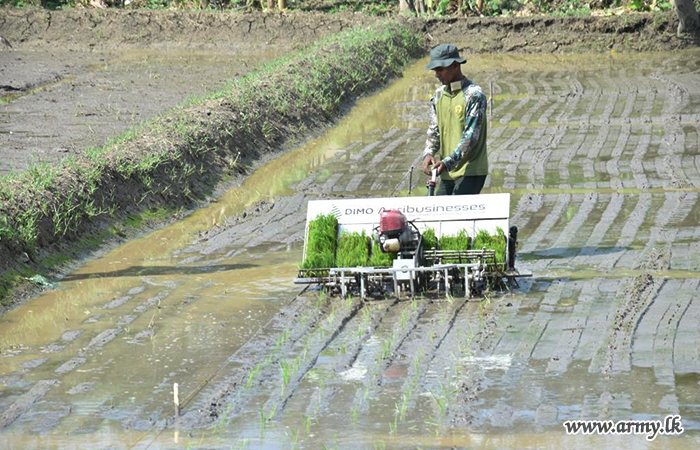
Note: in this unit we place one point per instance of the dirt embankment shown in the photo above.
(632, 32)
(114, 29)
(81, 29)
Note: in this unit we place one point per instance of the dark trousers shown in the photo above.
(461, 186)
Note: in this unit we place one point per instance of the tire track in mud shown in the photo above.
(532, 337)
(686, 343)
(654, 339)
(572, 332)
(608, 260)
(635, 297)
(609, 217)
(527, 206)
(315, 398)
(676, 207)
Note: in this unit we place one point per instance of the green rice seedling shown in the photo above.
(320, 249)
(495, 242)
(404, 319)
(459, 242)
(286, 369)
(429, 239)
(307, 424)
(400, 408)
(262, 418)
(353, 250)
(379, 258)
(251, 376)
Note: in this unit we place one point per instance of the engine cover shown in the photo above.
(392, 223)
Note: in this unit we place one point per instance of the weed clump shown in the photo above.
(353, 250)
(320, 250)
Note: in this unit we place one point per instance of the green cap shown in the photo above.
(444, 55)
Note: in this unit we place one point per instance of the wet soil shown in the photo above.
(599, 157)
(63, 92)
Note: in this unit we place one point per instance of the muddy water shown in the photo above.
(599, 154)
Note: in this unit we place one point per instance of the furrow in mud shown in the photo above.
(558, 323)
(654, 338)
(229, 391)
(317, 391)
(572, 331)
(686, 345)
(25, 401)
(636, 297)
(538, 324)
(290, 386)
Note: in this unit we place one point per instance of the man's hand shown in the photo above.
(427, 162)
(440, 166)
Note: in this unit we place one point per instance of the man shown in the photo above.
(457, 131)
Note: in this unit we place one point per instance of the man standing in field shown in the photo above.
(457, 130)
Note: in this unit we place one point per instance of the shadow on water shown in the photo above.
(159, 270)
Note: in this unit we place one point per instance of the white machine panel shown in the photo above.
(447, 214)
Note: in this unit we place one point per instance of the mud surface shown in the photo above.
(63, 92)
(599, 155)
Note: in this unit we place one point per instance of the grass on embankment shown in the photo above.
(177, 158)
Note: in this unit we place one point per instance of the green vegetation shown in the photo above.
(459, 242)
(483, 239)
(322, 240)
(429, 239)
(495, 242)
(137, 220)
(353, 250)
(379, 258)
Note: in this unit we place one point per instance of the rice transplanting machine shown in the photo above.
(399, 225)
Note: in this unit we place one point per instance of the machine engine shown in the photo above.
(395, 233)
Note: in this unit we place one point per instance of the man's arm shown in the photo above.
(475, 115)
(432, 143)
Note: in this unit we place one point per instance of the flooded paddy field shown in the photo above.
(600, 155)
